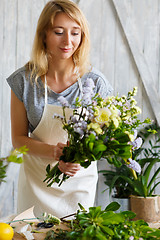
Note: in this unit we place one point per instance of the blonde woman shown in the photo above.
(59, 66)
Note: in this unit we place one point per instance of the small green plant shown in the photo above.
(97, 224)
(121, 180)
(15, 156)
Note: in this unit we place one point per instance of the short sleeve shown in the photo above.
(16, 83)
(104, 88)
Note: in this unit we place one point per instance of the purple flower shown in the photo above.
(57, 116)
(79, 130)
(88, 92)
(63, 101)
(134, 165)
(131, 238)
(89, 83)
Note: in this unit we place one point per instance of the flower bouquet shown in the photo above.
(98, 128)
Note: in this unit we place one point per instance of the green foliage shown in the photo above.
(121, 179)
(3, 167)
(15, 156)
(97, 224)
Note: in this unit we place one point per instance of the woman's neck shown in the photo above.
(61, 75)
(60, 69)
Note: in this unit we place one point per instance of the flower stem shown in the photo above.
(134, 174)
(22, 220)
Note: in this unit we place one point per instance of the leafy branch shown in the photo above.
(15, 156)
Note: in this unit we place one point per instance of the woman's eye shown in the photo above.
(75, 33)
(58, 33)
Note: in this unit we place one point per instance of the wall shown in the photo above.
(125, 47)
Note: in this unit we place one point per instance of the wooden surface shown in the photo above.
(125, 47)
(27, 217)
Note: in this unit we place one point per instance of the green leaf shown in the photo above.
(99, 148)
(90, 145)
(107, 230)
(100, 236)
(128, 214)
(92, 137)
(112, 218)
(122, 137)
(89, 231)
(113, 206)
(81, 207)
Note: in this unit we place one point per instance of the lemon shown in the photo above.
(6, 231)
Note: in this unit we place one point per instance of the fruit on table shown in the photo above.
(6, 231)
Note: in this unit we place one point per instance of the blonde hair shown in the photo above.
(38, 64)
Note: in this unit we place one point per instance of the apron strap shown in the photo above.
(80, 86)
(46, 93)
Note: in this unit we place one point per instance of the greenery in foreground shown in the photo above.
(15, 156)
(105, 224)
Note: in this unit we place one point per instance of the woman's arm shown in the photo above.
(19, 128)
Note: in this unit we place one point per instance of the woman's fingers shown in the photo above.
(69, 168)
(58, 150)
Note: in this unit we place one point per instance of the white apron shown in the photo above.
(32, 191)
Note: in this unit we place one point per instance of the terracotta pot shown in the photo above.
(147, 208)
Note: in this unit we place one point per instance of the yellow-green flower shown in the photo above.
(131, 136)
(133, 101)
(96, 127)
(104, 116)
(96, 111)
(115, 122)
(136, 110)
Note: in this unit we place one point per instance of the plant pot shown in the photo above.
(124, 202)
(147, 208)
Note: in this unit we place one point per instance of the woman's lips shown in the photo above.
(65, 49)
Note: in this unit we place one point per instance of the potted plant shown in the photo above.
(140, 188)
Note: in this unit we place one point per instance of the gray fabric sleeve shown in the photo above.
(103, 87)
(16, 83)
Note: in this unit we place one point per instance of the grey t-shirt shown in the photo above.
(32, 94)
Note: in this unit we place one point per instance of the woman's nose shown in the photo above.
(67, 38)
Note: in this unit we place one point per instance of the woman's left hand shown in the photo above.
(68, 168)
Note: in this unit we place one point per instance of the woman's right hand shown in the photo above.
(57, 151)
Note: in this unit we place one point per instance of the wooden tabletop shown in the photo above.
(28, 217)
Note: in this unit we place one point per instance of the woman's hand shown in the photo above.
(69, 168)
(57, 151)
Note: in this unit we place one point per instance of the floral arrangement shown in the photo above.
(99, 128)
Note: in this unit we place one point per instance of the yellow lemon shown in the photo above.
(6, 231)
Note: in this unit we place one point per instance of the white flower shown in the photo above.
(134, 165)
(137, 143)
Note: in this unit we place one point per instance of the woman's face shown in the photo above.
(64, 38)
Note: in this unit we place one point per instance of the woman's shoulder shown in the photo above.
(19, 73)
(18, 82)
(102, 84)
(97, 76)
(96, 73)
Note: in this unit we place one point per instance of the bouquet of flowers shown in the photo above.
(99, 128)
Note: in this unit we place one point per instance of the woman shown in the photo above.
(59, 66)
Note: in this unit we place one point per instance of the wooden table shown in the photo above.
(19, 224)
